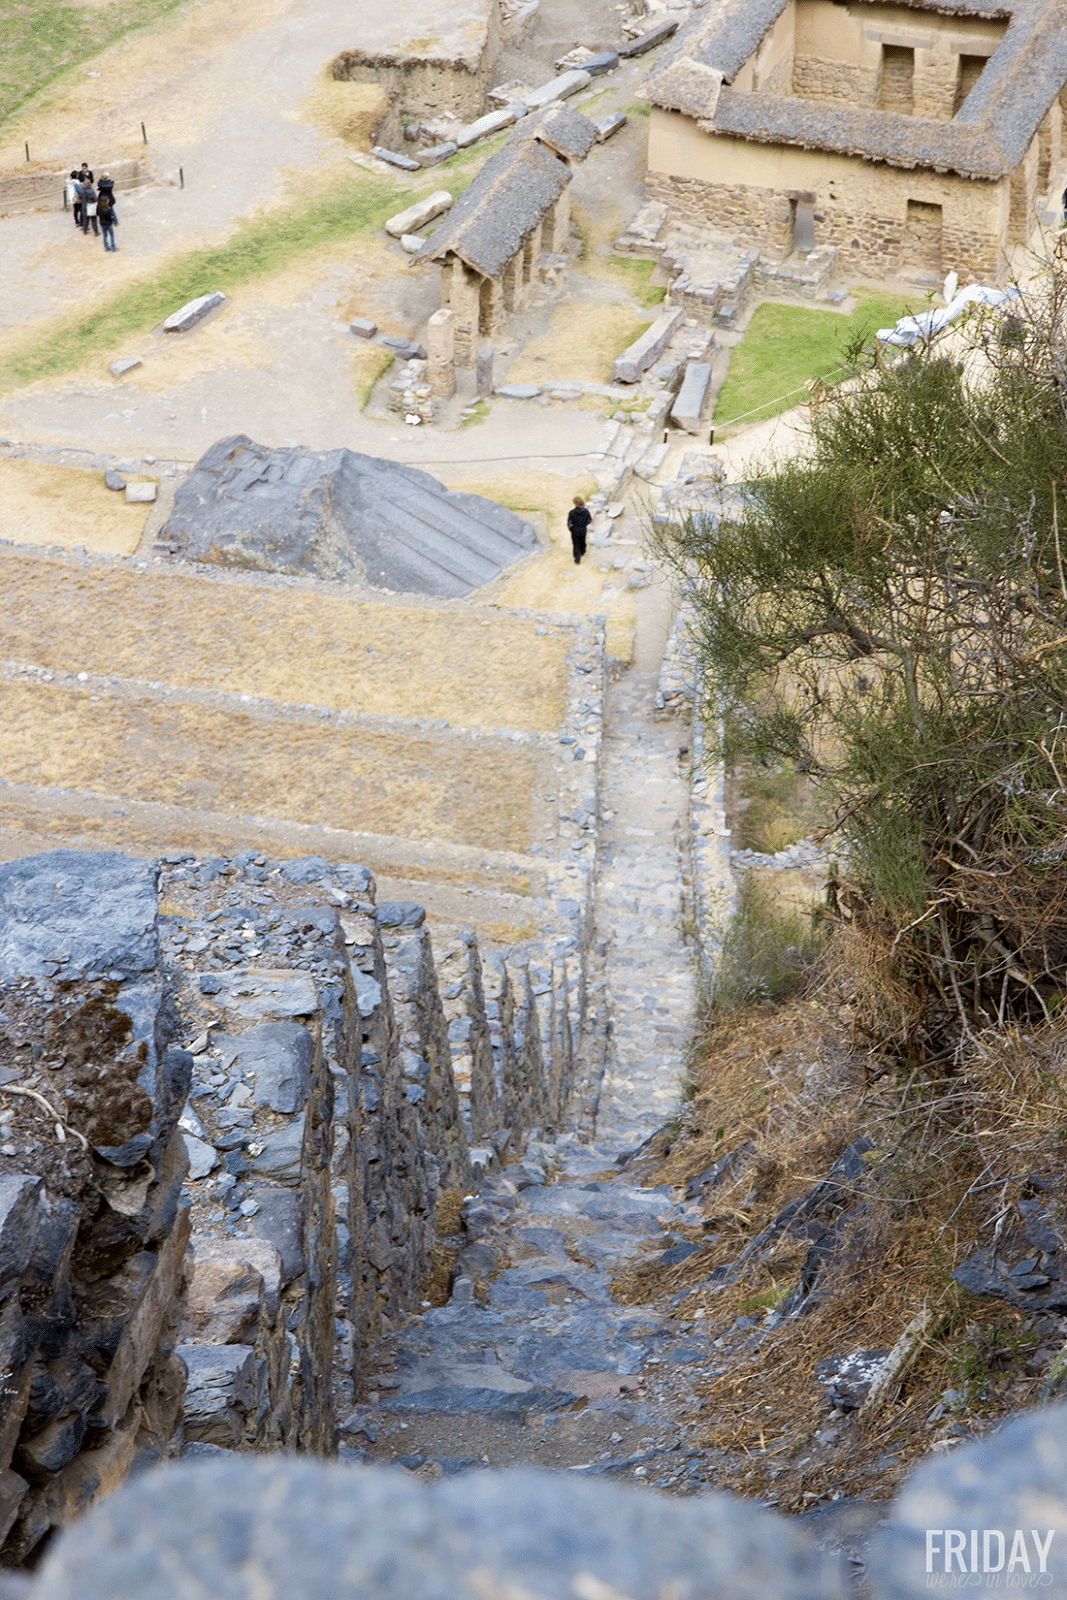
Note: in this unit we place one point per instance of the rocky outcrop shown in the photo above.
(341, 516)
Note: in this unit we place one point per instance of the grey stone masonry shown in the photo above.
(92, 1228)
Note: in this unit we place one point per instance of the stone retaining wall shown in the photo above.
(258, 1082)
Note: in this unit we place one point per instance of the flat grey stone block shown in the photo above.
(603, 61)
(418, 215)
(193, 312)
(688, 410)
(492, 122)
(517, 391)
(645, 351)
(96, 908)
(406, 349)
(363, 327)
(405, 163)
(560, 88)
(648, 41)
(610, 125)
(141, 493)
(277, 1056)
(282, 1153)
(437, 153)
(119, 369)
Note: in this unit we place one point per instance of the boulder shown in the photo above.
(113, 480)
(88, 911)
(119, 369)
(220, 1391)
(141, 493)
(363, 327)
(203, 1157)
(193, 312)
(603, 61)
(342, 516)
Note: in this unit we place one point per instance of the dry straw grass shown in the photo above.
(318, 646)
(797, 1084)
(55, 505)
(415, 787)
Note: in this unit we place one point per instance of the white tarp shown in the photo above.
(909, 330)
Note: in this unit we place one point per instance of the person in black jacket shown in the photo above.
(89, 208)
(578, 520)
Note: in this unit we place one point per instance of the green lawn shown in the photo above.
(41, 40)
(784, 347)
(350, 208)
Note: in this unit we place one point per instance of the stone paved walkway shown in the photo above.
(532, 1360)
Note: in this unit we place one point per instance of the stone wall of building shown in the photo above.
(834, 82)
(741, 191)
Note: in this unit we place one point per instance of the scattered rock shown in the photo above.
(119, 369)
(113, 479)
(644, 351)
(203, 1157)
(363, 327)
(517, 391)
(607, 126)
(193, 312)
(141, 493)
(648, 41)
(560, 88)
(437, 153)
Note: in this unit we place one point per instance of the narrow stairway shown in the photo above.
(532, 1361)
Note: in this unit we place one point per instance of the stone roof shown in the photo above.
(987, 139)
(493, 218)
(559, 127)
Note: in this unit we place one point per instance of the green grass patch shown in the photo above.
(766, 951)
(349, 209)
(784, 347)
(636, 272)
(639, 109)
(40, 42)
(477, 413)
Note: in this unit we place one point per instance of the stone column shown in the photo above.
(484, 373)
(441, 350)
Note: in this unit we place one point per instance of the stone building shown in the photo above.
(492, 247)
(912, 138)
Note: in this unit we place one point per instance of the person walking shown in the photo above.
(89, 204)
(578, 520)
(105, 211)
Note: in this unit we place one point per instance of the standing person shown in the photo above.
(105, 211)
(74, 196)
(89, 204)
(106, 187)
(85, 175)
(578, 520)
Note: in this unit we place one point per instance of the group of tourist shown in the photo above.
(93, 207)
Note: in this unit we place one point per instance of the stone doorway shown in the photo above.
(920, 255)
(896, 81)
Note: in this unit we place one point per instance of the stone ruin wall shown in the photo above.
(426, 83)
(40, 191)
(304, 1079)
(860, 208)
